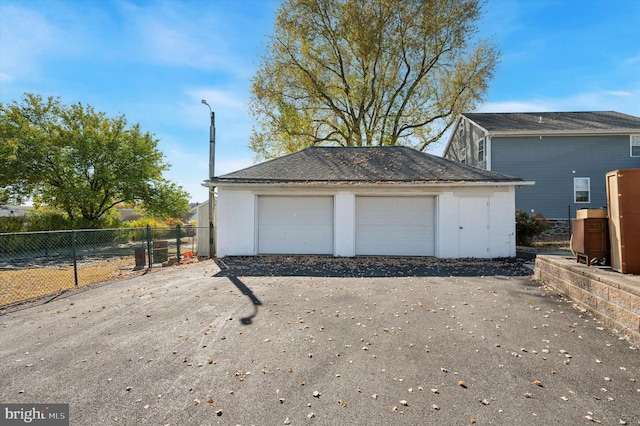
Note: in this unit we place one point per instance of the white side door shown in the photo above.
(473, 224)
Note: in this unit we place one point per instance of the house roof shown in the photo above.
(551, 122)
(395, 164)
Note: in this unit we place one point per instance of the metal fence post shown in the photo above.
(149, 246)
(75, 259)
(178, 240)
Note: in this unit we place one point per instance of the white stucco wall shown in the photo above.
(237, 212)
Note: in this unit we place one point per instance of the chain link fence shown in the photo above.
(39, 264)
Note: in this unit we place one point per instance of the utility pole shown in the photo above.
(212, 198)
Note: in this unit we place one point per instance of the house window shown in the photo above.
(635, 145)
(581, 190)
(481, 149)
(463, 155)
(461, 129)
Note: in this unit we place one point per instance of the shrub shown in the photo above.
(45, 219)
(12, 223)
(528, 226)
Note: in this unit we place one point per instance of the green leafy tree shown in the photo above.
(80, 161)
(368, 72)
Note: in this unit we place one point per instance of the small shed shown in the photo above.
(365, 201)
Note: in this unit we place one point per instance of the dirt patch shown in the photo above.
(23, 284)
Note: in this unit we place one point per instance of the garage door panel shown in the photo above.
(401, 226)
(295, 225)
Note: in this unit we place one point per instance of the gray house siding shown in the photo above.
(553, 162)
(466, 143)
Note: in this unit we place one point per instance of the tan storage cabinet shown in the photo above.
(623, 200)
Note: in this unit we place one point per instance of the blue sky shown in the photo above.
(153, 61)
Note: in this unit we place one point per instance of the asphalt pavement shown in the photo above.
(303, 341)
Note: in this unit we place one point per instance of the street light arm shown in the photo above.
(212, 199)
(213, 114)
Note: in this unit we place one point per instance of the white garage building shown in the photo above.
(392, 201)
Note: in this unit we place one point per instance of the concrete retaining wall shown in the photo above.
(613, 298)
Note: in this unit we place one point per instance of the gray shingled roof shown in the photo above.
(593, 121)
(361, 165)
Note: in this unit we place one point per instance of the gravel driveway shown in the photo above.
(307, 340)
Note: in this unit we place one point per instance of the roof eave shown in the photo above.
(362, 184)
(536, 133)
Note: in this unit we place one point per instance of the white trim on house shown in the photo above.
(576, 189)
(482, 142)
(634, 142)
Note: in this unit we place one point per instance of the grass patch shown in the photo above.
(551, 245)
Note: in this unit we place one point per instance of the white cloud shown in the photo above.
(26, 36)
(193, 34)
(516, 106)
(229, 105)
(219, 98)
(632, 60)
(620, 93)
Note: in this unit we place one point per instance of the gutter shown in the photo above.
(325, 184)
(536, 133)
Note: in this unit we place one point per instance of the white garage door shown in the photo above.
(396, 226)
(295, 225)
